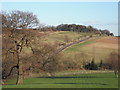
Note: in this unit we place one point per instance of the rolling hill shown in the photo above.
(97, 48)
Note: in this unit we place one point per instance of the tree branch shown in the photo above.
(15, 66)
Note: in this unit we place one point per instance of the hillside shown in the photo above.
(97, 48)
(43, 44)
(65, 36)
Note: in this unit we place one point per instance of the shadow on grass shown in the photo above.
(61, 83)
(52, 77)
(70, 83)
(84, 83)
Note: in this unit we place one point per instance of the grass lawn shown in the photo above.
(93, 80)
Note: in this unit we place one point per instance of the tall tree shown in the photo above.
(20, 19)
(113, 62)
(16, 20)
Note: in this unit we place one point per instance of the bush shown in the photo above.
(91, 35)
(91, 66)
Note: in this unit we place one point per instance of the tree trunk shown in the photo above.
(116, 73)
(19, 74)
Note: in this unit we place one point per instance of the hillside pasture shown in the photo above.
(64, 36)
(98, 48)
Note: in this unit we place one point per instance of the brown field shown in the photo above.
(110, 40)
(106, 42)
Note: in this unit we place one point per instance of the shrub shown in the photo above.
(91, 66)
(91, 35)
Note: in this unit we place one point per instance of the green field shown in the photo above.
(93, 80)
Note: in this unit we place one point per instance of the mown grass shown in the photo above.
(96, 80)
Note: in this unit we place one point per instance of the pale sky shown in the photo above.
(101, 15)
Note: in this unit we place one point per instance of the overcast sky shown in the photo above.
(101, 15)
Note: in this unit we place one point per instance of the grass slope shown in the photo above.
(60, 36)
(97, 48)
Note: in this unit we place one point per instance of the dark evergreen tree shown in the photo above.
(91, 65)
(101, 64)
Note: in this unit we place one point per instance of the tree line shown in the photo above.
(82, 28)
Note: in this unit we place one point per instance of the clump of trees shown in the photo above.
(82, 28)
(91, 65)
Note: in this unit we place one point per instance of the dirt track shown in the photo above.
(68, 45)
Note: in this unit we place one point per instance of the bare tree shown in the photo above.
(20, 41)
(20, 19)
(17, 20)
(47, 58)
(3, 20)
(41, 27)
(113, 62)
